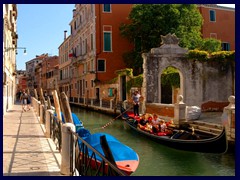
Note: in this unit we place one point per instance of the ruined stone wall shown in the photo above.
(201, 82)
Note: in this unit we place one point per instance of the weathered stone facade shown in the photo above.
(200, 82)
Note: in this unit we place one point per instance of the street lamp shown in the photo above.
(14, 48)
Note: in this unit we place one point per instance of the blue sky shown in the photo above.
(40, 29)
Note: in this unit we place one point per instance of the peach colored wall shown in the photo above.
(224, 26)
(114, 60)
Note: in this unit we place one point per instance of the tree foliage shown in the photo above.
(171, 76)
(150, 21)
(211, 45)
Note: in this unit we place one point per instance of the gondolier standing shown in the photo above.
(136, 100)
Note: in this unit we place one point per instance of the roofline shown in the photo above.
(215, 6)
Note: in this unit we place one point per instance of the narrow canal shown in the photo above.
(156, 159)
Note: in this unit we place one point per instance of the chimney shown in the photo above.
(74, 12)
(65, 34)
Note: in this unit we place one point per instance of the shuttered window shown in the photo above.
(106, 8)
(212, 15)
(101, 65)
(107, 41)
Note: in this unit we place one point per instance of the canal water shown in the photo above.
(157, 159)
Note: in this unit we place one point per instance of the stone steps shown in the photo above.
(204, 127)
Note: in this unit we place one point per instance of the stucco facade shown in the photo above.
(219, 23)
(9, 54)
(97, 47)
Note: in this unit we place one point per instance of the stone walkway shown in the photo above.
(211, 117)
(26, 150)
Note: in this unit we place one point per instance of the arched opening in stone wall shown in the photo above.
(171, 85)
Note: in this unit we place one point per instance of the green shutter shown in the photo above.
(110, 92)
(106, 7)
(212, 15)
(107, 41)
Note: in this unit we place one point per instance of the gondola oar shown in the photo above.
(110, 122)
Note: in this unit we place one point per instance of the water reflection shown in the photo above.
(157, 159)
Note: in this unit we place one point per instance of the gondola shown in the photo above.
(124, 157)
(205, 143)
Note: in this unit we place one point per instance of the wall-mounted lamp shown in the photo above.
(14, 48)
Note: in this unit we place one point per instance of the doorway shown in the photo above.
(123, 88)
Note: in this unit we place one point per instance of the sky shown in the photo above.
(40, 29)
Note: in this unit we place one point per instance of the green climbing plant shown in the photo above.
(171, 76)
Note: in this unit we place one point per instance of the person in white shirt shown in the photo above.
(136, 97)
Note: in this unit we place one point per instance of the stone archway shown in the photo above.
(154, 63)
(174, 92)
(201, 82)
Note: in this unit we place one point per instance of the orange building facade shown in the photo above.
(21, 80)
(97, 47)
(63, 81)
(219, 23)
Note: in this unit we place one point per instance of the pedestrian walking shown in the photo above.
(24, 100)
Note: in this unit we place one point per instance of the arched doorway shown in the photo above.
(170, 85)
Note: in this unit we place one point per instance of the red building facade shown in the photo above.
(219, 23)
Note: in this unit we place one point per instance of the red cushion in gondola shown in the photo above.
(161, 134)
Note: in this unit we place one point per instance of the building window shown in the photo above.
(213, 35)
(107, 41)
(75, 25)
(225, 46)
(106, 8)
(61, 75)
(86, 47)
(110, 92)
(101, 65)
(92, 83)
(83, 87)
(212, 16)
(83, 47)
(91, 41)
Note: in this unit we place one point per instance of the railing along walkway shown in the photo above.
(76, 160)
(26, 150)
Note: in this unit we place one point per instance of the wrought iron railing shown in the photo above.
(83, 163)
(56, 131)
(86, 163)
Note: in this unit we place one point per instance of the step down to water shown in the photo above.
(208, 128)
(210, 125)
(207, 131)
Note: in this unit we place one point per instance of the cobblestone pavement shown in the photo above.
(26, 150)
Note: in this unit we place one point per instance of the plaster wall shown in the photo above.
(200, 81)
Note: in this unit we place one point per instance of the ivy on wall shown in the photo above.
(170, 76)
(135, 81)
(215, 56)
(125, 72)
